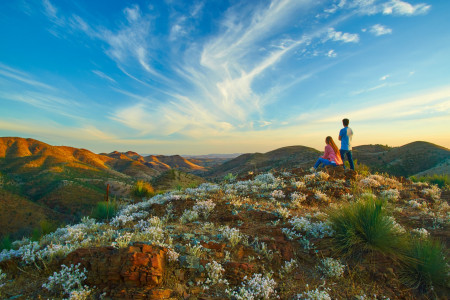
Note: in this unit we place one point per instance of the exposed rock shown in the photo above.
(121, 270)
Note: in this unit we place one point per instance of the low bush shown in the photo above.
(440, 180)
(426, 266)
(5, 242)
(364, 227)
(105, 210)
(142, 189)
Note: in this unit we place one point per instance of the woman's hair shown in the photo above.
(329, 141)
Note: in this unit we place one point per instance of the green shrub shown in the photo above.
(142, 189)
(105, 210)
(5, 243)
(363, 227)
(45, 227)
(440, 180)
(426, 266)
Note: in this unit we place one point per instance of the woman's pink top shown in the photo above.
(331, 156)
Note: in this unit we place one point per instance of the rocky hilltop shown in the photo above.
(280, 235)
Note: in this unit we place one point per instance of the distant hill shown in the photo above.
(414, 158)
(65, 183)
(407, 160)
(282, 158)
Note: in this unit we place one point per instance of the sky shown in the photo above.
(201, 77)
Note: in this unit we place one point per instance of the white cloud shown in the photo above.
(331, 53)
(401, 8)
(132, 13)
(16, 75)
(385, 77)
(339, 36)
(379, 29)
(102, 75)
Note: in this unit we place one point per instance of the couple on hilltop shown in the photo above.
(334, 157)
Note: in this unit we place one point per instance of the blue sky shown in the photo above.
(198, 77)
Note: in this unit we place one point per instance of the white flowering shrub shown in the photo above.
(315, 294)
(313, 229)
(433, 192)
(233, 235)
(66, 281)
(81, 294)
(262, 249)
(204, 208)
(215, 273)
(321, 196)
(420, 232)
(257, 287)
(309, 177)
(331, 267)
(298, 184)
(397, 227)
(291, 234)
(283, 212)
(369, 182)
(416, 204)
(391, 194)
(196, 250)
(189, 216)
(172, 255)
(123, 240)
(288, 267)
(2, 278)
(322, 175)
(277, 194)
(297, 199)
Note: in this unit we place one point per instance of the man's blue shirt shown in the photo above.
(346, 135)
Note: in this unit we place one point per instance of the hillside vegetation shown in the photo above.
(64, 183)
(288, 235)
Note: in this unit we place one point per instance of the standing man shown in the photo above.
(345, 136)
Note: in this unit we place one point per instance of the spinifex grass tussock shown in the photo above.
(364, 227)
(105, 210)
(142, 189)
(427, 266)
(440, 180)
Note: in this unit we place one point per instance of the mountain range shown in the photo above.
(40, 182)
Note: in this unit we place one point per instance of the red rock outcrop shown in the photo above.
(135, 272)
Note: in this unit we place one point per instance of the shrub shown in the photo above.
(257, 287)
(68, 280)
(5, 242)
(364, 227)
(45, 227)
(142, 189)
(105, 210)
(331, 267)
(426, 265)
(439, 180)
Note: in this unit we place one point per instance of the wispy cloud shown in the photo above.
(385, 77)
(345, 37)
(17, 75)
(434, 102)
(402, 8)
(103, 75)
(379, 29)
(331, 53)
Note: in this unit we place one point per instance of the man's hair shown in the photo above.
(345, 122)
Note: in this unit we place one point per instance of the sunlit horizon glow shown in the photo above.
(202, 77)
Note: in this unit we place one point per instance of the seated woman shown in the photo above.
(331, 155)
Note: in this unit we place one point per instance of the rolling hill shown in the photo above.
(65, 183)
(282, 158)
(407, 160)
